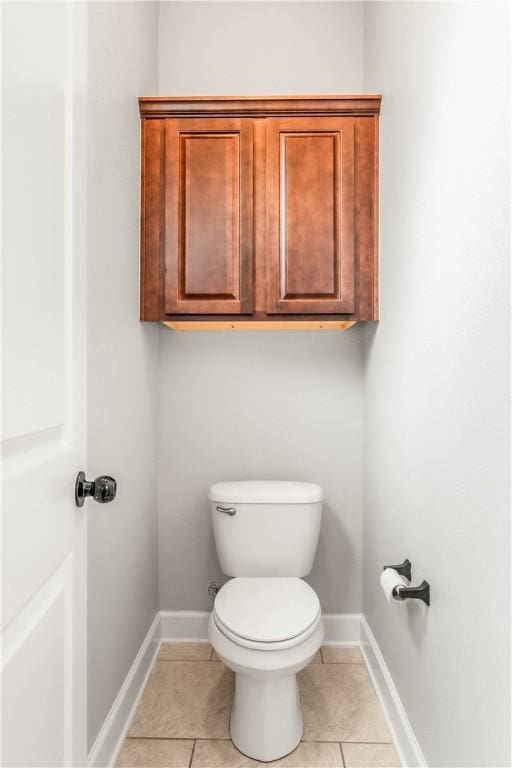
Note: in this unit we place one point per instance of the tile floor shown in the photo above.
(182, 720)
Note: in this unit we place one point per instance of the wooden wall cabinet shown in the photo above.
(259, 212)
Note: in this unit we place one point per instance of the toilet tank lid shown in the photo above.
(265, 492)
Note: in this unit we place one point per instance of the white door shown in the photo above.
(43, 357)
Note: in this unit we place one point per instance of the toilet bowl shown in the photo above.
(266, 630)
(266, 624)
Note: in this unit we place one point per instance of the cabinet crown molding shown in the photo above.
(259, 106)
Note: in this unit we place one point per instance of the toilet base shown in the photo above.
(266, 719)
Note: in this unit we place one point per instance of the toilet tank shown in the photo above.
(266, 528)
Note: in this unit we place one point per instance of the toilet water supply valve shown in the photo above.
(395, 581)
(213, 589)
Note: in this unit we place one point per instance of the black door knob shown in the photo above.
(102, 489)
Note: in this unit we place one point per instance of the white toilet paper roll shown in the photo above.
(390, 579)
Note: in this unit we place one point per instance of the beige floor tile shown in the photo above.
(341, 654)
(222, 754)
(155, 753)
(215, 656)
(183, 651)
(185, 700)
(370, 756)
(339, 704)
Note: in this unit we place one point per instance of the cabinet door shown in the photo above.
(310, 215)
(208, 216)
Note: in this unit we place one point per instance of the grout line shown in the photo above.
(213, 738)
(331, 741)
(161, 738)
(342, 756)
(192, 753)
(327, 663)
(200, 661)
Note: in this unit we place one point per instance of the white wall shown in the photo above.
(244, 48)
(437, 453)
(259, 405)
(269, 405)
(122, 354)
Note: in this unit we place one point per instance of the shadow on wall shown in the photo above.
(417, 622)
(412, 612)
(334, 533)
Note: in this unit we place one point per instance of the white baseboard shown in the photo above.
(184, 625)
(340, 629)
(193, 625)
(409, 750)
(110, 738)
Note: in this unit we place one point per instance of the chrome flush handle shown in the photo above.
(227, 510)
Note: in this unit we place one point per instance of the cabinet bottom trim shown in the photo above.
(259, 325)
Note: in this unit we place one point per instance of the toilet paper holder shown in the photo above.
(421, 592)
(404, 569)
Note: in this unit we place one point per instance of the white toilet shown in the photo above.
(266, 623)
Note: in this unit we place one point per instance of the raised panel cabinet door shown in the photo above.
(208, 216)
(310, 215)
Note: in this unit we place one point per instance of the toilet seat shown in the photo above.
(267, 613)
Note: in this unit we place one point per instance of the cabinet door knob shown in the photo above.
(103, 489)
